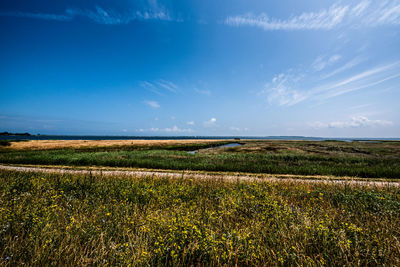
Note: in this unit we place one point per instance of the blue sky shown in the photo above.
(148, 67)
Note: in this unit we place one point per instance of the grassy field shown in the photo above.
(86, 220)
(107, 144)
(357, 159)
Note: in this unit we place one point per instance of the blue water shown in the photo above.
(92, 137)
(227, 145)
(231, 145)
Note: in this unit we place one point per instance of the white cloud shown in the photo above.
(153, 104)
(174, 129)
(99, 15)
(287, 89)
(354, 122)
(346, 66)
(190, 123)
(359, 9)
(363, 75)
(281, 90)
(365, 14)
(322, 62)
(210, 122)
(235, 129)
(325, 19)
(110, 17)
(159, 86)
(168, 85)
(339, 92)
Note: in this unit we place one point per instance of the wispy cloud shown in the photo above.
(322, 62)
(153, 104)
(168, 85)
(210, 122)
(174, 129)
(365, 13)
(355, 88)
(150, 87)
(110, 17)
(363, 75)
(352, 63)
(325, 19)
(281, 90)
(190, 123)
(159, 86)
(202, 92)
(354, 122)
(288, 89)
(99, 15)
(59, 17)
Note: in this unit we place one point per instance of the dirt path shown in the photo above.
(199, 175)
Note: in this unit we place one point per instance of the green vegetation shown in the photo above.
(277, 157)
(85, 220)
(5, 143)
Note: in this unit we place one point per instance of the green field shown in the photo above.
(91, 220)
(378, 160)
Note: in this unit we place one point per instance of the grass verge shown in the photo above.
(68, 219)
(301, 164)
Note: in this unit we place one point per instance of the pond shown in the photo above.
(227, 145)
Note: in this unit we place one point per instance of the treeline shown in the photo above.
(8, 134)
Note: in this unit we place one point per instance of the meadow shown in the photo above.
(63, 219)
(356, 159)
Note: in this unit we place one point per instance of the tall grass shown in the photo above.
(92, 220)
(278, 163)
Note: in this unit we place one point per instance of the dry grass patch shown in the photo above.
(61, 144)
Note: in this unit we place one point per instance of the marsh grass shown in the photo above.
(377, 160)
(274, 163)
(107, 144)
(92, 220)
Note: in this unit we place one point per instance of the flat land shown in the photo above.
(151, 203)
(62, 144)
(355, 159)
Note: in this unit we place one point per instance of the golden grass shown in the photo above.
(59, 144)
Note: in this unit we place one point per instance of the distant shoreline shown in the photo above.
(14, 134)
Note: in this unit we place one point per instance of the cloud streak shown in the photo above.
(174, 129)
(159, 86)
(365, 13)
(153, 104)
(354, 122)
(168, 85)
(325, 19)
(58, 17)
(322, 62)
(98, 15)
(287, 89)
(109, 17)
